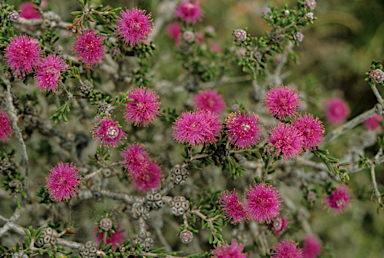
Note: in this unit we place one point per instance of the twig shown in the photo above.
(377, 94)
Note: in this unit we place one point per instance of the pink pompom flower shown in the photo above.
(286, 249)
(286, 140)
(262, 203)
(134, 26)
(312, 247)
(48, 73)
(188, 12)
(5, 126)
(338, 199)
(28, 11)
(23, 54)
(229, 251)
(107, 131)
(144, 107)
(117, 237)
(63, 182)
(243, 130)
(89, 48)
(232, 207)
(146, 178)
(311, 129)
(209, 100)
(135, 157)
(278, 224)
(174, 31)
(372, 123)
(282, 101)
(336, 110)
(216, 48)
(198, 127)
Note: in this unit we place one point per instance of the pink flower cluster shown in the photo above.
(107, 131)
(49, 72)
(336, 110)
(372, 123)
(143, 172)
(210, 100)
(338, 200)
(189, 12)
(229, 251)
(282, 101)
(312, 247)
(285, 249)
(117, 237)
(174, 31)
(5, 126)
(89, 48)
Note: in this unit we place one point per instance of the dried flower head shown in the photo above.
(286, 140)
(22, 54)
(286, 249)
(278, 224)
(48, 72)
(198, 127)
(106, 224)
(232, 207)
(311, 129)
(135, 157)
(144, 107)
(146, 178)
(262, 203)
(117, 237)
(338, 199)
(229, 251)
(188, 12)
(210, 100)
(243, 130)
(174, 31)
(89, 48)
(372, 123)
(63, 181)
(336, 110)
(377, 76)
(134, 26)
(107, 131)
(282, 101)
(5, 126)
(312, 247)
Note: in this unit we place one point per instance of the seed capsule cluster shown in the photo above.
(139, 210)
(19, 254)
(7, 166)
(179, 174)
(153, 199)
(179, 205)
(88, 250)
(145, 239)
(47, 237)
(86, 87)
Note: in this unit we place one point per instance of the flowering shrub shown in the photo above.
(100, 117)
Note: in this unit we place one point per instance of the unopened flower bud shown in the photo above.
(377, 76)
(106, 224)
(309, 16)
(112, 132)
(240, 35)
(114, 51)
(189, 36)
(13, 16)
(265, 11)
(186, 236)
(311, 196)
(286, 13)
(298, 37)
(310, 4)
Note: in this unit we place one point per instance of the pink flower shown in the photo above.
(262, 203)
(188, 12)
(312, 247)
(63, 182)
(232, 207)
(372, 123)
(226, 251)
(5, 126)
(48, 73)
(134, 26)
(135, 157)
(117, 237)
(210, 100)
(336, 110)
(311, 130)
(146, 178)
(28, 11)
(144, 107)
(23, 54)
(89, 48)
(278, 224)
(338, 199)
(286, 249)
(200, 37)
(108, 131)
(282, 101)
(197, 127)
(243, 130)
(216, 48)
(174, 31)
(286, 140)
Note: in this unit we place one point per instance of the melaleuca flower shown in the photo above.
(243, 130)
(286, 140)
(216, 48)
(188, 12)
(107, 131)
(229, 251)
(63, 182)
(278, 224)
(174, 31)
(336, 110)
(28, 11)
(146, 178)
(311, 129)
(134, 26)
(209, 100)
(338, 199)
(232, 207)
(48, 72)
(89, 48)
(117, 237)
(282, 101)
(5, 126)
(262, 203)
(144, 107)
(22, 54)
(312, 247)
(372, 123)
(286, 249)
(198, 127)
(135, 157)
